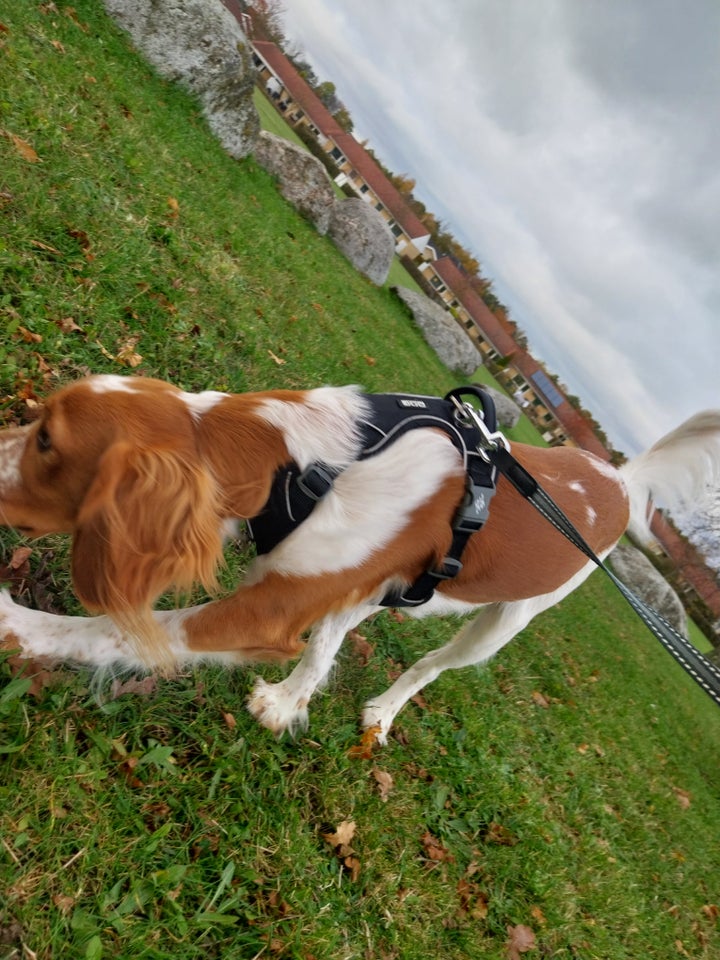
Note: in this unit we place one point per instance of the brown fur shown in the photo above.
(144, 487)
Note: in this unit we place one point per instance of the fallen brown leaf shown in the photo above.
(683, 797)
(537, 915)
(64, 903)
(521, 940)
(28, 336)
(68, 325)
(368, 742)
(145, 687)
(127, 354)
(25, 150)
(352, 864)
(340, 842)
(384, 781)
(540, 699)
(362, 648)
(20, 556)
(497, 833)
(434, 850)
(473, 901)
(344, 832)
(39, 671)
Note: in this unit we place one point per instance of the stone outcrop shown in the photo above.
(636, 571)
(452, 345)
(508, 412)
(363, 236)
(302, 179)
(199, 44)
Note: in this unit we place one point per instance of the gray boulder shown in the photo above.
(302, 179)
(508, 412)
(363, 236)
(442, 332)
(199, 44)
(635, 570)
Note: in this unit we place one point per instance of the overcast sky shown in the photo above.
(574, 147)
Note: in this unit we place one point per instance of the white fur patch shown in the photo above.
(199, 403)
(11, 451)
(369, 505)
(111, 382)
(323, 427)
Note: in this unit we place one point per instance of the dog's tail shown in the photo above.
(679, 472)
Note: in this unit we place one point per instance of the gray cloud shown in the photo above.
(573, 147)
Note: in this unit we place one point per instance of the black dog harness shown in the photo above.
(295, 493)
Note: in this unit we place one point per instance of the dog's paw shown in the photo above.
(374, 721)
(10, 622)
(274, 706)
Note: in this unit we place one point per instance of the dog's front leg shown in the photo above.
(91, 641)
(284, 706)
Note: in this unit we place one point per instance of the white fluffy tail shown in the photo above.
(680, 471)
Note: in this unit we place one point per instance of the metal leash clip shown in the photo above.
(467, 415)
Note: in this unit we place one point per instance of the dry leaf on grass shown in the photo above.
(473, 900)
(384, 781)
(340, 841)
(127, 354)
(38, 671)
(434, 850)
(362, 648)
(144, 687)
(368, 742)
(26, 151)
(344, 832)
(521, 940)
(497, 833)
(540, 700)
(20, 556)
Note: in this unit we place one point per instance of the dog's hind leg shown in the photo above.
(477, 641)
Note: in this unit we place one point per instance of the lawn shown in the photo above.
(565, 795)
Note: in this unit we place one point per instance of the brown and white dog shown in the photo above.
(145, 477)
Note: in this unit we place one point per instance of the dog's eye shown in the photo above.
(43, 440)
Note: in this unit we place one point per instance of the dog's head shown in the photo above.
(115, 462)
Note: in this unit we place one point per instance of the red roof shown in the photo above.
(357, 155)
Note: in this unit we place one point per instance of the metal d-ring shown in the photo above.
(466, 415)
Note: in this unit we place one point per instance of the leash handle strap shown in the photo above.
(702, 670)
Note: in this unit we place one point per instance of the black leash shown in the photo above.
(702, 670)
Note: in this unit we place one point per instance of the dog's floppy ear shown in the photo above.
(149, 523)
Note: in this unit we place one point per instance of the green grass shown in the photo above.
(571, 786)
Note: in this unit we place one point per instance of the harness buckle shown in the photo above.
(315, 481)
(474, 509)
(490, 440)
(450, 568)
